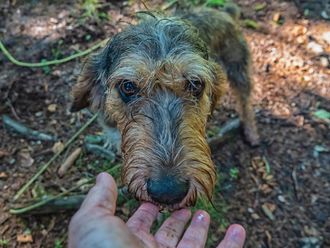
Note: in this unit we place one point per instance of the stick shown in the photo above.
(45, 166)
(229, 129)
(59, 204)
(100, 151)
(45, 201)
(53, 199)
(52, 62)
(69, 162)
(25, 131)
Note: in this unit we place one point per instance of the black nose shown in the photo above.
(167, 189)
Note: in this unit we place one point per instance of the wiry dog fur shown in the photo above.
(179, 66)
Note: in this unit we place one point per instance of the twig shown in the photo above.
(100, 151)
(25, 131)
(59, 204)
(45, 166)
(229, 129)
(69, 162)
(47, 200)
(58, 201)
(71, 202)
(52, 62)
(295, 183)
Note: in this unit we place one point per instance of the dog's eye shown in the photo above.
(196, 87)
(128, 90)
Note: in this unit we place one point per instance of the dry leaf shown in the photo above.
(57, 147)
(268, 209)
(3, 175)
(24, 158)
(24, 238)
(3, 153)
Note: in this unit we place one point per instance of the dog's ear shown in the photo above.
(89, 90)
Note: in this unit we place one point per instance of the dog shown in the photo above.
(159, 81)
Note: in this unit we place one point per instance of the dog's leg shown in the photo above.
(238, 71)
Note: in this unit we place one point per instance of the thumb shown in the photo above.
(102, 195)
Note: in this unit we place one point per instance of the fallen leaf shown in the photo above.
(276, 17)
(249, 23)
(3, 175)
(24, 158)
(3, 153)
(267, 208)
(57, 147)
(255, 216)
(260, 6)
(24, 238)
(322, 114)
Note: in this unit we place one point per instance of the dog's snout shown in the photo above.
(167, 189)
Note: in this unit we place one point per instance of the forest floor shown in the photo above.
(280, 191)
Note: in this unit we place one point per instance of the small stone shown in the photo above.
(311, 231)
(311, 242)
(324, 62)
(306, 78)
(57, 147)
(281, 198)
(315, 48)
(38, 114)
(52, 107)
(326, 37)
(255, 216)
(314, 198)
(12, 161)
(301, 39)
(24, 158)
(250, 210)
(72, 120)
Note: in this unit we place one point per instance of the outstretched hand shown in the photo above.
(95, 224)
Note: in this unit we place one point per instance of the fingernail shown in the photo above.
(200, 217)
(101, 177)
(234, 233)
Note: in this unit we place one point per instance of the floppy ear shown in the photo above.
(89, 90)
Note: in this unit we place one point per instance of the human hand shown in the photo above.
(95, 225)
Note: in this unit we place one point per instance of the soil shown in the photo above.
(280, 191)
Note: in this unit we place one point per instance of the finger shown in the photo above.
(171, 231)
(196, 234)
(102, 195)
(143, 218)
(235, 237)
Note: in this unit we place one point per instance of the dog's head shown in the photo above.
(155, 80)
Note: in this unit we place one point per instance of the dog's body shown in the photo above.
(159, 81)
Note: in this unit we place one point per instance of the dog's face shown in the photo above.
(156, 82)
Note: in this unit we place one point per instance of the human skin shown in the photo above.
(95, 224)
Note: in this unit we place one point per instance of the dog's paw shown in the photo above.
(251, 136)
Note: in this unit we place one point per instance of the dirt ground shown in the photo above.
(280, 191)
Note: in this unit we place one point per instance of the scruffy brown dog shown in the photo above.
(159, 81)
